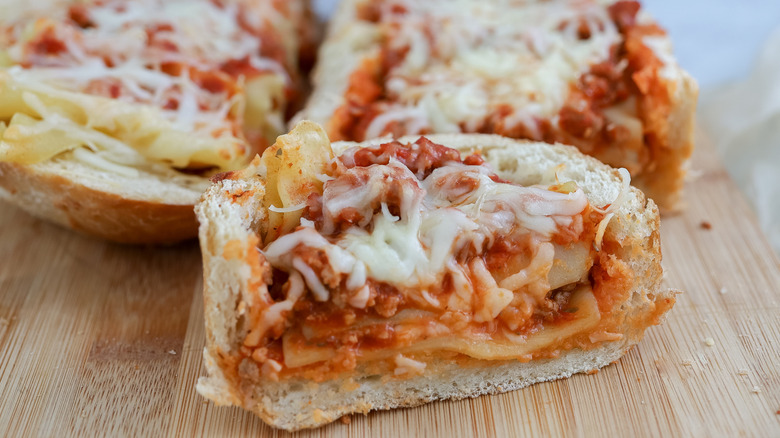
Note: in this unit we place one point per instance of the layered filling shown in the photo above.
(586, 73)
(407, 253)
(197, 86)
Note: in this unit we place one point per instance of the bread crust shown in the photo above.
(664, 183)
(228, 226)
(111, 216)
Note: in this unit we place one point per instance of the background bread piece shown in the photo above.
(122, 209)
(664, 183)
(229, 214)
(156, 207)
(347, 42)
(669, 110)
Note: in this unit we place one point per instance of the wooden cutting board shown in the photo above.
(102, 339)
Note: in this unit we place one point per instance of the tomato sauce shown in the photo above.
(630, 71)
(335, 324)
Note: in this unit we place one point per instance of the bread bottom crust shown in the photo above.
(110, 216)
(295, 404)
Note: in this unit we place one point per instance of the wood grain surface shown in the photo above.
(102, 339)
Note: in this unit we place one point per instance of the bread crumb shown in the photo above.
(346, 419)
(723, 290)
(709, 342)
(705, 225)
(172, 352)
(743, 372)
(756, 390)
(687, 363)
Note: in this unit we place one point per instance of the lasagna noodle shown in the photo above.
(586, 317)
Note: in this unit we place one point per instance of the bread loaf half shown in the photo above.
(596, 74)
(349, 277)
(113, 114)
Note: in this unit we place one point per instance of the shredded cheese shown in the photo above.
(287, 209)
(466, 59)
(158, 59)
(625, 187)
(437, 220)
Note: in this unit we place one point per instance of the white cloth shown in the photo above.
(743, 119)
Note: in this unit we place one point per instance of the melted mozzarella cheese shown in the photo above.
(466, 59)
(125, 51)
(279, 254)
(417, 249)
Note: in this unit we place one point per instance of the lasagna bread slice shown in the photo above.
(348, 277)
(113, 113)
(596, 74)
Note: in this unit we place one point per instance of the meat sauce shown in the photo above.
(335, 325)
(628, 72)
(47, 44)
(421, 157)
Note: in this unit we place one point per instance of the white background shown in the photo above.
(717, 40)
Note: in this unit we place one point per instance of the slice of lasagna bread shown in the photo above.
(596, 74)
(113, 113)
(349, 277)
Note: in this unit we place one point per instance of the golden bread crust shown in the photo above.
(98, 213)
